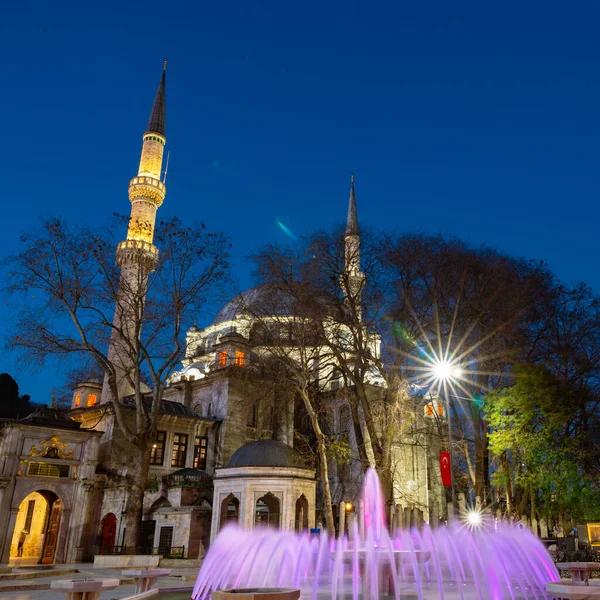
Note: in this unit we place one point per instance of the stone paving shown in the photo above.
(186, 578)
(181, 578)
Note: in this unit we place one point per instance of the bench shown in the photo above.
(84, 589)
(145, 579)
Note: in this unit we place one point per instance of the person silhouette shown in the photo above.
(21, 542)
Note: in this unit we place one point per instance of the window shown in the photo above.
(239, 359)
(179, 450)
(92, 399)
(223, 358)
(157, 454)
(29, 517)
(431, 409)
(77, 400)
(200, 446)
(165, 539)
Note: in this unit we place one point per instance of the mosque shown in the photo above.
(224, 448)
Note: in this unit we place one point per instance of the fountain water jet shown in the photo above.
(487, 563)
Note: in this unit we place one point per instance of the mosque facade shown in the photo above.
(224, 448)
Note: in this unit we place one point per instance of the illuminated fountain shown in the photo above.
(496, 562)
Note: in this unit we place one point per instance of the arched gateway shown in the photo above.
(35, 533)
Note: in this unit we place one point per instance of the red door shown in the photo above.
(51, 537)
(109, 532)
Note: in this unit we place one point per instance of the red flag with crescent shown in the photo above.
(446, 468)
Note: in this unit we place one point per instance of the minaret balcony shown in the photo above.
(147, 188)
(137, 251)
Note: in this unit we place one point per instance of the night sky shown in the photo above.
(479, 120)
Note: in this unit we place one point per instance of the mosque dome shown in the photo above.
(264, 453)
(260, 301)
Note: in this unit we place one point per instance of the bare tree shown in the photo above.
(72, 300)
(287, 354)
(344, 310)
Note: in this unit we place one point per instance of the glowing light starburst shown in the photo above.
(473, 518)
(445, 363)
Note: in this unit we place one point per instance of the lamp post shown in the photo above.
(444, 371)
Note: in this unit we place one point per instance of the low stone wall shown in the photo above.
(125, 561)
(180, 563)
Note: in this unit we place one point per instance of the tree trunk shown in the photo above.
(323, 467)
(358, 434)
(481, 457)
(137, 474)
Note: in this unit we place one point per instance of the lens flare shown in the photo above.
(286, 230)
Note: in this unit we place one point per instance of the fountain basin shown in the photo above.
(256, 594)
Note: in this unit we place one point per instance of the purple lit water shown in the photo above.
(494, 562)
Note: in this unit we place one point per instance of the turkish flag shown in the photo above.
(446, 469)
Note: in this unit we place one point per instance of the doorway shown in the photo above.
(109, 534)
(35, 535)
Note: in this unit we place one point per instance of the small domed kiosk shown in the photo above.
(264, 485)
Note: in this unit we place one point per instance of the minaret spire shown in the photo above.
(137, 255)
(353, 278)
(156, 122)
(352, 221)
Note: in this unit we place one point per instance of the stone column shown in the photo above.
(341, 519)
(288, 502)
(534, 526)
(462, 504)
(434, 519)
(416, 517)
(246, 519)
(4, 510)
(12, 520)
(352, 525)
(543, 528)
(398, 516)
(63, 531)
(361, 519)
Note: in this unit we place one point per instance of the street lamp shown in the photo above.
(445, 371)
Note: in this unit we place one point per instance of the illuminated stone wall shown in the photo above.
(34, 541)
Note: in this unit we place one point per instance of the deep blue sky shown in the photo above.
(480, 120)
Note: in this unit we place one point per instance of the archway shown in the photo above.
(230, 510)
(109, 533)
(35, 535)
(301, 514)
(267, 511)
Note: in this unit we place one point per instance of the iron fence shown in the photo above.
(164, 551)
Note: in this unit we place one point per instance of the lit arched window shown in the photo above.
(92, 399)
(77, 400)
(239, 359)
(223, 358)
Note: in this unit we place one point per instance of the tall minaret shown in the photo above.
(353, 278)
(137, 256)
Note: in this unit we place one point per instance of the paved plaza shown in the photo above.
(185, 578)
(180, 578)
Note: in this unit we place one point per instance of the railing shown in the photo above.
(165, 552)
(146, 180)
(561, 551)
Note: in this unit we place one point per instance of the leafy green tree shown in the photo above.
(540, 458)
